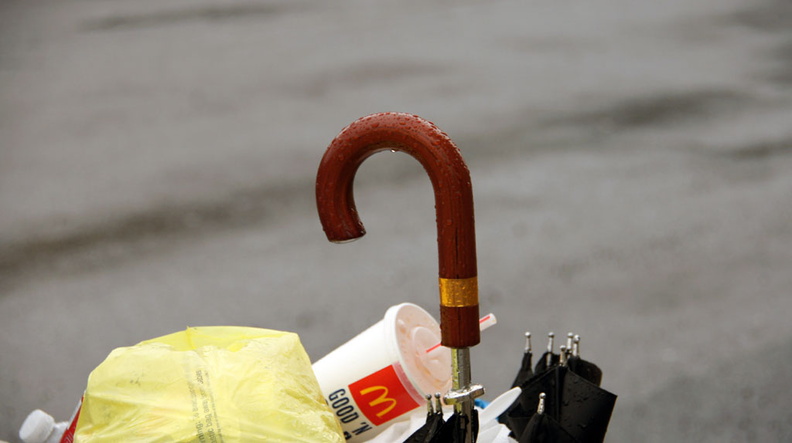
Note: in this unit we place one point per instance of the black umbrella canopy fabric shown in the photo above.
(571, 398)
(544, 429)
(455, 429)
(583, 368)
(526, 366)
(549, 358)
(437, 430)
(434, 422)
(581, 407)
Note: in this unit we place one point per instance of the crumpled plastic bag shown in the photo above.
(208, 384)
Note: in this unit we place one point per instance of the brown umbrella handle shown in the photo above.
(456, 237)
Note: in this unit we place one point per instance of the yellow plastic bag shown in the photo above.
(209, 384)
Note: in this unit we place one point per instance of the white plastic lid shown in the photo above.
(37, 427)
(415, 331)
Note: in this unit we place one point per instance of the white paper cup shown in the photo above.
(384, 372)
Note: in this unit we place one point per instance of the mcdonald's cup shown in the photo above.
(380, 375)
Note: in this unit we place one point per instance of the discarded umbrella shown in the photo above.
(570, 397)
(458, 280)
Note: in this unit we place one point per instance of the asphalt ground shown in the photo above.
(630, 166)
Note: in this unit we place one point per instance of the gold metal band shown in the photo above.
(459, 292)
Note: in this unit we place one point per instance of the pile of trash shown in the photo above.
(406, 378)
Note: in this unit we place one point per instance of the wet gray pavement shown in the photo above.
(630, 164)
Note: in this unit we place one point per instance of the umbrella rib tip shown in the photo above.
(540, 408)
(527, 342)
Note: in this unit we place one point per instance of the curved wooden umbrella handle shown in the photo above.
(456, 237)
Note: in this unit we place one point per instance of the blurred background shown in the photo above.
(630, 164)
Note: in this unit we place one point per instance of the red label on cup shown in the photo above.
(381, 396)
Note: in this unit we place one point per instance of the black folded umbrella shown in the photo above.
(526, 369)
(549, 358)
(428, 433)
(583, 368)
(457, 427)
(572, 397)
(543, 429)
(580, 407)
(516, 417)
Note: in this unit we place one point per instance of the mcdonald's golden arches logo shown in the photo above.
(381, 396)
